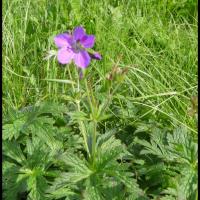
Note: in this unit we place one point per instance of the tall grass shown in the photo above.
(156, 40)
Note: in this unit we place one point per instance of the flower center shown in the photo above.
(77, 46)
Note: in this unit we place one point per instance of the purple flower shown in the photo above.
(95, 56)
(73, 47)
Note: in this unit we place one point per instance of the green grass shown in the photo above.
(157, 40)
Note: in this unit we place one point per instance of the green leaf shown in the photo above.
(53, 193)
(92, 193)
(78, 116)
(75, 163)
(13, 130)
(13, 150)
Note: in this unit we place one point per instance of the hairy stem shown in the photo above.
(82, 130)
(94, 138)
(70, 76)
(81, 124)
(88, 95)
(110, 95)
(94, 133)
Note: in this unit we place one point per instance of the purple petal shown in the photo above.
(88, 41)
(95, 56)
(62, 40)
(65, 55)
(78, 33)
(82, 59)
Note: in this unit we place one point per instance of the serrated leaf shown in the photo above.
(13, 150)
(13, 130)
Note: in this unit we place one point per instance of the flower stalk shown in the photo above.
(93, 110)
(76, 47)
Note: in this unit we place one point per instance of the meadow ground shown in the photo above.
(155, 40)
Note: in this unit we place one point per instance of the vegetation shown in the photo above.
(127, 129)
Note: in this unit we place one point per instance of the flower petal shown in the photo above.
(95, 56)
(82, 59)
(62, 40)
(65, 55)
(78, 33)
(88, 41)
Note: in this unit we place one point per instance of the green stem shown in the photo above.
(197, 195)
(83, 131)
(109, 98)
(94, 138)
(81, 124)
(94, 133)
(88, 96)
(70, 76)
